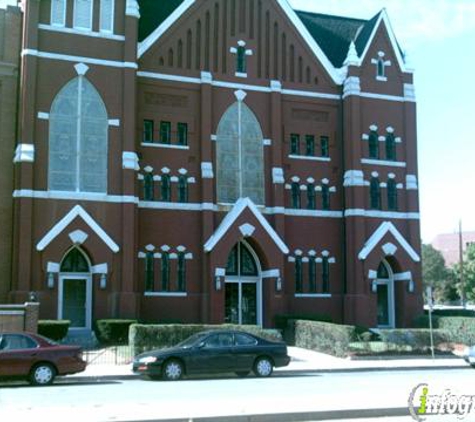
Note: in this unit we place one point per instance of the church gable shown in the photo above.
(246, 39)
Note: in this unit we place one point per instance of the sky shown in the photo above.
(439, 36)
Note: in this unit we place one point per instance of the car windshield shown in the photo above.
(190, 341)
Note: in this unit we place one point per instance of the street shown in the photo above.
(284, 393)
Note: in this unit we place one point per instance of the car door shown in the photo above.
(17, 354)
(245, 351)
(214, 354)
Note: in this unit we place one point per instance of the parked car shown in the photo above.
(469, 356)
(36, 358)
(215, 351)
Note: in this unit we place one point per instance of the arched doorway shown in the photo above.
(385, 295)
(243, 286)
(75, 289)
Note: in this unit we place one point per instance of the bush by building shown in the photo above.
(53, 329)
(113, 331)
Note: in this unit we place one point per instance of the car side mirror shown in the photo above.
(200, 345)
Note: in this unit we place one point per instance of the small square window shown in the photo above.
(148, 131)
(309, 145)
(294, 144)
(165, 132)
(325, 146)
(182, 129)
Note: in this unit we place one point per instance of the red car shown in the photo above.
(36, 358)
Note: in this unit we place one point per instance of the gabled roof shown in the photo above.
(239, 207)
(77, 211)
(381, 231)
(153, 13)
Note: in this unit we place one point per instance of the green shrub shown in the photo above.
(53, 329)
(323, 337)
(452, 312)
(418, 338)
(281, 320)
(113, 331)
(460, 329)
(378, 347)
(147, 337)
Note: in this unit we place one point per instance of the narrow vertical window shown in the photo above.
(148, 187)
(165, 132)
(373, 145)
(58, 12)
(295, 195)
(381, 68)
(83, 14)
(375, 194)
(165, 270)
(312, 276)
(295, 144)
(149, 272)
(325, 197)
(107, 16)
(390, 147)
(311, 196)
(298, 275)
(392, 195)
(241, 60)
(148, 131)
(324, 146)
(182, 131)
(325, 275)
(309, 145)
(165, 188)
(181, 272)
(180, 54)
(183, 189)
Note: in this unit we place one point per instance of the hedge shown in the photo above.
(113, 331)
(460, 329)
(282, 320)
(54, 329)
(323, 337)
(147, 337)
(417, 339)
(452, 312)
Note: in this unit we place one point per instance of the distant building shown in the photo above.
(10, 42)
(215, 161)
(448, 245)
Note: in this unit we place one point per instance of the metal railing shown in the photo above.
(112, 355)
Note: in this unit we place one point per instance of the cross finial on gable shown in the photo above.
(241, 53)
(381, 66)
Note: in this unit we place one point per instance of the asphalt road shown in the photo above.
(315, 396)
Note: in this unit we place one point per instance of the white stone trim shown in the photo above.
(150, 248)
(278, 176)
(311, 213)
(247, 229)
(165, 248)
(100, 269)
(272, 273)
(130, 161)
(132, 9)
(78, 237)
(385, 163)
(409, 93)
(352, 86)
(241, 205)
(174, 179)
(379, 233)
(291, 259)
(312, 295)
(114, 122)
(43, 116)
(358, 212)
(364, 137)
(81, 69)
(94, 34)
(389, 248)
(240, 75)
(267, 142)
(189, 256)
(166, 146)
(76, 196)
(240, 95)
(173, 255)
(78, 59)
(157, 255)
(214, 138)
(165, 170)
(24, 153)
(207, 170)
(311, 252)
(411, 182)
(373, 128)
(295, 179)
(76, 211)
(220, 272)
(183, 171)
(165, 294)
(305, 260)
(353, 178)
(407, 275)
(141, 255)
(309, 158)
(53, 267)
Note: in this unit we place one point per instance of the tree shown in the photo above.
(468, 286)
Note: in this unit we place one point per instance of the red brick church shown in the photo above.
(214, 161)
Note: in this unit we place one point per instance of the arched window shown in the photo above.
(74, 262)
(148, 187)
(325, 275)
(312, 276)
(298, 274)
(183, 189)
(181, 272)
(295, 191)
(240, 156)
(325, 197)
(311, 196)
(375, 194)
(390, 147)
(165, 271)
(149, 272)
(78, 139)
(392, 195)
(373, 145)
(165, 188)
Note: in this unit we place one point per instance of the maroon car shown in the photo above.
(36, 358)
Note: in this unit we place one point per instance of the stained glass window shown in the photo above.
(311, 196)
(148, 187)
(375, 194)
(383, 271)
(165, 271)
(149, 272)
(298, 275)
(74, 262)
(390, 147)
(241, 60)
(248, 264)
(183, 189)
(325, 197)
(181, 272)
(392, 195)
(232, 265)
(325, 275)
(312, 276)
(373, 145)
(165, 188)
(295, 192)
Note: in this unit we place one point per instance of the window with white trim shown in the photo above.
(82, 18)
(78, 135)
(58, 12)
(107, 16)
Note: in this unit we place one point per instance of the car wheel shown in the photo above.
(42, 374)
(263, 367)
(173, 370)
(242, 374)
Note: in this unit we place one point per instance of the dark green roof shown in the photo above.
(153, 13)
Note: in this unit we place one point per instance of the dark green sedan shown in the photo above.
(215, 351)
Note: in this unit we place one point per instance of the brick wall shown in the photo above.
(19, 317)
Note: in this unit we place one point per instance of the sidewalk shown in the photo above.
(309, 361)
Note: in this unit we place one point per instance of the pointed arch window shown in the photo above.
(390, 147)
(148, 185)
(311, 205)
(149, 272)
(325, 197)
(240, 156)
(165, 270)
(298, 275)
(325, 275)
(312, 276)
(392, 195)
(373, 145)
(181, 272)
(295, 192)
(78, 139)
(375, 194)
(74, 262)
(165, 188)
(183, 189)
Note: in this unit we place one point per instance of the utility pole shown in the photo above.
(462, 281)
